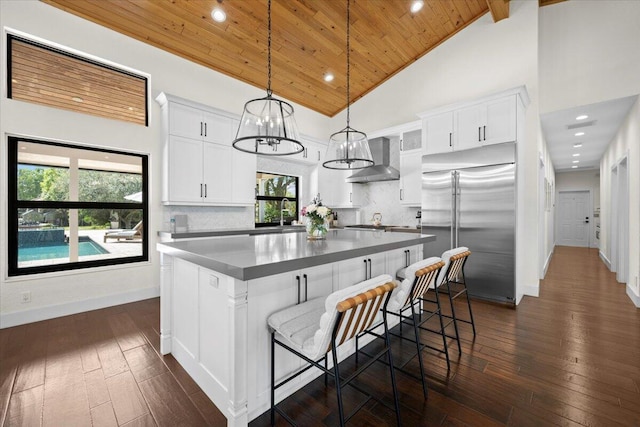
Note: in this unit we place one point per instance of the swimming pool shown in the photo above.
(38, 253)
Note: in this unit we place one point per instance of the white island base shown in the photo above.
(215, 325)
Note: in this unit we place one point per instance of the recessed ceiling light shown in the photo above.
(579, 133)
(576, 161)
(218, 15)
(77, 99)
(582, 117)
(576, 155)
(574, 167)
(416, 6)
(578, 145)
(328, 77)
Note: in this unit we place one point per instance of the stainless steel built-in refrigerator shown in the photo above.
(469, 199)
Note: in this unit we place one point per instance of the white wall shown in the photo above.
(546, 209)
(625, 143)
(62, 293)
(582, 180)
(484, 58)
(589, 53)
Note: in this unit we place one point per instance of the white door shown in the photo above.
(574, 218)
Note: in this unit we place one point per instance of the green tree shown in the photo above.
(278, 186)
(29, 181)
(55, 184)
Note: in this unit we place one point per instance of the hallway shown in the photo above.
(570, 357)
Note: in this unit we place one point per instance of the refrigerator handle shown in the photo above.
(458, 196)
(454, 199)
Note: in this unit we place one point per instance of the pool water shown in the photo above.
(37, 253)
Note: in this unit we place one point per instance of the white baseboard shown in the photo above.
(547, 262)
(532, 290)
(633, 297)
(16, 318)
(604, 259)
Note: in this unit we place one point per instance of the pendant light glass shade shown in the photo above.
(267, 126)
(348, 148)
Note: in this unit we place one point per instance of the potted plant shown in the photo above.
(114, 220)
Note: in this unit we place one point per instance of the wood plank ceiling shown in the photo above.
(308, 38)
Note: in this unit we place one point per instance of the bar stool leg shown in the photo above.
(417, 337)
(443, 332)
(466, 294)
(273, 377)
(336, 372)
(396, 402)
(453, 315)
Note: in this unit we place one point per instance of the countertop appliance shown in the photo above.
(469, 199)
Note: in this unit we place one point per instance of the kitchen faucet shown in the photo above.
(282, 210)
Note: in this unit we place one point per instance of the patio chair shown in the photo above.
(134, 234)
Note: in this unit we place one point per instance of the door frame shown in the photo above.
(590, 205)
(619, 224)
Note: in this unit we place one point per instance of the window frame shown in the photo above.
(278, 199)
(80, 56)
(13, 204)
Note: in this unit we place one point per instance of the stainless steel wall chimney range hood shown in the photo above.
(381, 171)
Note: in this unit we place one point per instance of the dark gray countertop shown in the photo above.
(249, 257)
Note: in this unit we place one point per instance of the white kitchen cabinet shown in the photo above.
(438, 133)
(275, 293)
(401, 258)
(410, 177)
(311, 154)
(411, 140)
(200, 166)
(334, 191)
(356, 270)
(491, 120)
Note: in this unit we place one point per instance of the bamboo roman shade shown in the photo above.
(58, 79)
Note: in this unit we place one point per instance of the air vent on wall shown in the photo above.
(581, 125)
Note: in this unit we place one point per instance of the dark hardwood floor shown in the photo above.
(570, 357)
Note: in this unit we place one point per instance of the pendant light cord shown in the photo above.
(269, 49)
(348, 61)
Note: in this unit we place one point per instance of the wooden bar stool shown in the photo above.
(452, 275)
(407, 303)
(314, 328)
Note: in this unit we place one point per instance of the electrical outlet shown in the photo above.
(26, 297)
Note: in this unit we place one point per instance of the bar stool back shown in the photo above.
(314, 328)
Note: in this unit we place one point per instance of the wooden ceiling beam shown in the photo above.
(499, 9)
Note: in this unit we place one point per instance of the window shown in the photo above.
(53, 77)
(272, 190)
(74, 207)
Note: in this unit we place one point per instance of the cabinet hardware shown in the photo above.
(200, 190)
(205, 191)
(200, 128)
(401, 145)
(369, 268)
(484, 133)
(350, 197)
(298, 281)
(401, 194)
(318, 155)
(365, 270)
(479, 133)
(450, 139)
(305, 288)
(205, 129)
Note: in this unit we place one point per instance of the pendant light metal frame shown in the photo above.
(350, 146)
(267, 126)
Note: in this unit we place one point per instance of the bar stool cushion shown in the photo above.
(401, 293)
(446, 257)
(307, 327)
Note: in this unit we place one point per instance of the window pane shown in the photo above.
(100, 186)
(38, 182)
(44, 236)
(276, 185)
(268, 211)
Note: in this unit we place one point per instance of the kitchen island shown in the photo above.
(216, 296)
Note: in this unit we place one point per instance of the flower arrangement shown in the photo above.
(316, 215)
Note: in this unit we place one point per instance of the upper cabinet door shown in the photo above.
(185, 121)
(411, 140)
(469, 126)
(438, 133)
(500, 121)
(217, 129)
(410, 178)
(217, 162)
(184, 170)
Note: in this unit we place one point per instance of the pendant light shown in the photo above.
(267, 126)
(348, 148)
